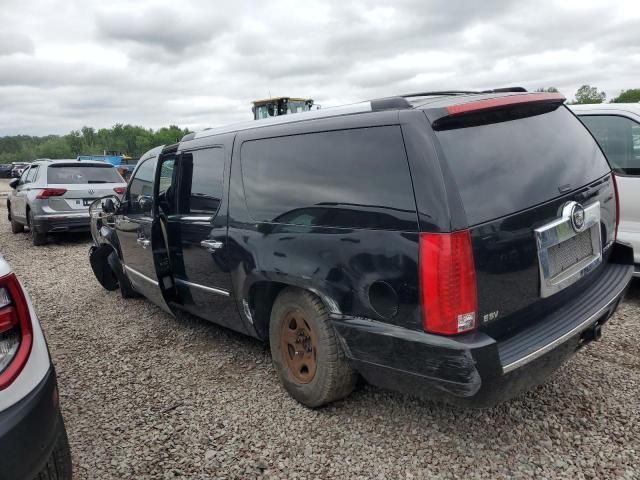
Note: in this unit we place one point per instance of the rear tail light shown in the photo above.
(51, 192)
(16, 334)
(447, 283)
(119, 190)
(615, 189)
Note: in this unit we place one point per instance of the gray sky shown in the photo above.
(69, 63)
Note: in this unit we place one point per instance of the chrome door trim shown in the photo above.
(202, 287)
(204, 218)
(141, 275)
(211, 245)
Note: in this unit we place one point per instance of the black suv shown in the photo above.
(454, 245)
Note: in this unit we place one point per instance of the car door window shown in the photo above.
(23, 177)
(31, 175)
(140, 191)
(619, 138)
(201, 181)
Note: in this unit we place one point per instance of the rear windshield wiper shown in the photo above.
(97, 181)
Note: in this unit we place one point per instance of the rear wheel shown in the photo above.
(37, 238)
(58, 467)
(306, 351)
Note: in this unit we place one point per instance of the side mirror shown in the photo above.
(145, 203)
(14, 183)
(108, 206)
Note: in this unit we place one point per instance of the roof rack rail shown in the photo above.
(441, 92)
(506, 90)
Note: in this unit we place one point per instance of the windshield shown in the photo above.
(262, 111)
(75, 174)
(297, 107)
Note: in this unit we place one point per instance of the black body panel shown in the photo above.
(352, 269)
(475, 369)
(506, 260)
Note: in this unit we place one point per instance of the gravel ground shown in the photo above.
(147, 396)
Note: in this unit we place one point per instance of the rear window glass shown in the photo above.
(502, 168)
(74, 174)
(350, 178)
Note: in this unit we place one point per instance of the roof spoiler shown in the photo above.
(500, 102)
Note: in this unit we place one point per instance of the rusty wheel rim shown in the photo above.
(298, 346)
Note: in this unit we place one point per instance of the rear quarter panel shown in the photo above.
(338, 264)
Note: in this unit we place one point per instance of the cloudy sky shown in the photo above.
(69, 63)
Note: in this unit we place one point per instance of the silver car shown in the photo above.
(54, 195)
(616, 127)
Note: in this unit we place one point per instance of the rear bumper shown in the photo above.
(62, 222)
(29, 430)
(475, 369)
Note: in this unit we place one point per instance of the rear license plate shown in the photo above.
(565, 253)
(88, 201)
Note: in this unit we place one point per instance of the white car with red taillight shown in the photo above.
(54, 196)
(33, 439)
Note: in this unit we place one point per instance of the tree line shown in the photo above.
(589, 94)
(125, 139)
(134, 140)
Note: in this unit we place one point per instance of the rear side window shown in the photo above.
(619, 138)
(349, 178)
(75, 174)
(201, 188)
(502, 168)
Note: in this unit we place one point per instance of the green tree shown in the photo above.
(55, 147)
(628, 96)
(589, 94)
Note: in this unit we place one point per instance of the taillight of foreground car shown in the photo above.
(16, 334)
(447, 283)
(119, 190)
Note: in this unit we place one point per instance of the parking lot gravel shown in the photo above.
(145, 395)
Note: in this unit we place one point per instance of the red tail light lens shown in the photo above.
(447, 283)
(615, 189)
(16, 334)
(119, 190)
(51, 192)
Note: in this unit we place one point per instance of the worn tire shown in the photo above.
(126, 289)
(58, 466)
(37, 238)
(334, 378)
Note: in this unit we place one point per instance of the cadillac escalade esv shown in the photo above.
(454, 245)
